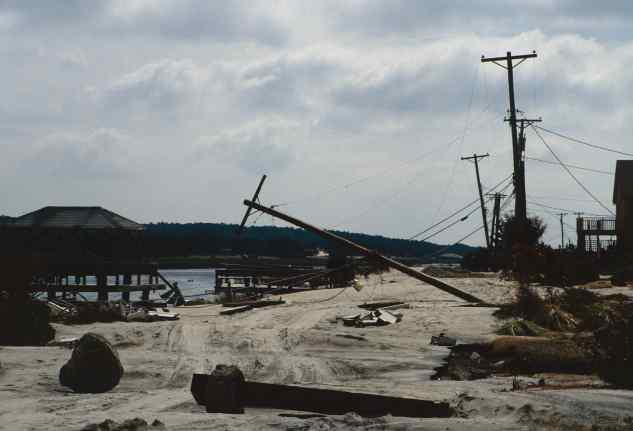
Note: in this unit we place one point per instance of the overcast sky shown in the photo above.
(358, 110)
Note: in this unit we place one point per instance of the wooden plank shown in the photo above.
(236, 310)
(377, 305)
(254, 304)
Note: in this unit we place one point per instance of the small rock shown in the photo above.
(475, 357)
(94, 366)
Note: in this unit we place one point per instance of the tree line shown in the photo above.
(191, 239)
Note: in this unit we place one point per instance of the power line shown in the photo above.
(571, 173)
(443, 220)
(464, 218)
(559, 208)
(571, 166)
(578, 141)
(459, 210)
(558, 198)
(442, 250)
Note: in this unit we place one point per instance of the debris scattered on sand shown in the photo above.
(379, 317)
(114, 311)
(94, 366)
(151, 315)
(68, 342)
(254, 303)
(518, 356)
(235, 310)
(136, 424)
(521, 327)
(377, 305)
(443, 340)
(352, 337)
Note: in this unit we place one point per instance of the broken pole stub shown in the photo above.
(224, 390)
(301, 398)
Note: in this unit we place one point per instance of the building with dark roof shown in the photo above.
(89, 218)
(79, 242)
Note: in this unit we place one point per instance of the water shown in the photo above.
(193, 283)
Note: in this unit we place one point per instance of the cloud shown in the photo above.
(224, 21)
(102, 153)
(164, 87)
(262, 146)
(446, 19)
(303, 90)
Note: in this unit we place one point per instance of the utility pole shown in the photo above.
(520, 207)
(495, 225)
(476, 158)
(580, 232)
(519, 175)
(372, 255)
(562, 230)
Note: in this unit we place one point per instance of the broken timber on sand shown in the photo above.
(372, 254)
(327, 401)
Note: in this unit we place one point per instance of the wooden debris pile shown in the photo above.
(518, 356)
(114, 311)
(378, 317)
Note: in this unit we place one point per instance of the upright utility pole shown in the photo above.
(519, 179)
(476, 158)
(520, 207)
(562, 230)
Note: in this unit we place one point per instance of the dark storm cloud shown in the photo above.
(492, 17)
(223, 21)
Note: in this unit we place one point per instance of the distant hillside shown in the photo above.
(190, 239)
(5, 219)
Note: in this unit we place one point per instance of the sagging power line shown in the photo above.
(571, 166)
(571, 174)
(578, 141)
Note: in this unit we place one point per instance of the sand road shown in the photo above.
(298, 343)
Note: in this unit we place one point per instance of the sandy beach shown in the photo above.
(301, 343)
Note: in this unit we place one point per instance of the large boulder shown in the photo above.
(224, 391)
(94, 366)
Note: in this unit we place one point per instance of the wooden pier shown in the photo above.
(267, 279)
(71, 279)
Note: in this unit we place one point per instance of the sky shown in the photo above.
(358, 111)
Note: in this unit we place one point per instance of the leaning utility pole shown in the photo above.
(368, 253)
(495, 225)
(562, 230)
(520, 207)
(476, 158)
